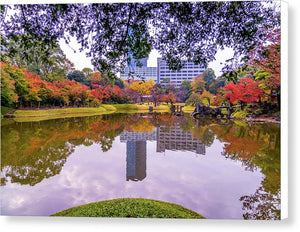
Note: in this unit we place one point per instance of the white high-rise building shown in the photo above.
(188, 72)
(139, 73)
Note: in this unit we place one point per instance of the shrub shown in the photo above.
(240, 114)
(193, 99)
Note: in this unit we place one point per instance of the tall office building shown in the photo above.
(139, 72)
(137, 68)
(188, 72)
(137, 63)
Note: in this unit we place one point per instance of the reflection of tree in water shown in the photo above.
(33, 151)
(43, 163)
(200, 128)
(256, 146)
(261, 205)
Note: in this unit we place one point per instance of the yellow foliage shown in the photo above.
(143, 125)
(207, 96)
(143, 87)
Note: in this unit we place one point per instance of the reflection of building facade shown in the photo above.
(137, 136)
(136, 153)
(174, 138)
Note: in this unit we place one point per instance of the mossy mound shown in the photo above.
(130, 207)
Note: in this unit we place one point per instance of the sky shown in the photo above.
(81, 61)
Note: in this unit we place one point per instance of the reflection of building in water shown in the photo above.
(136, 160)
(136, 153)
(174, 138)
(137, 136)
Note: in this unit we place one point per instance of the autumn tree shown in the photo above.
(198, 84)
(207, 97)
(101, 79)
(143, 87)
(246, 91)
(268, 59)
(155, 94)
(170, 98)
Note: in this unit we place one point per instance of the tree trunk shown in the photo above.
(278, 100)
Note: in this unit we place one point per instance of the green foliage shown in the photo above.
(119, 82)
(240, 114)
(8, 95)
(87, 72)
(209, 77)
(130, 207)
(193, 99)
(37, 57)
(186, 84)
(198, 84)
(6, 110)
(215, 85)
(14, 80)
(79, 76)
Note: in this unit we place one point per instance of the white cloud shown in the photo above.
(79, 59)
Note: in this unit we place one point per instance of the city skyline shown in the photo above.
(81, 61)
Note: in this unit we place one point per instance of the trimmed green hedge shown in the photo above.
(130, 207)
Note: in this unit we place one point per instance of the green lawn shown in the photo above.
(63, 111)
(130, 207)
(46, 114)
(43, 114)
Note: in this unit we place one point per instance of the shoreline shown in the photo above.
(23, 115)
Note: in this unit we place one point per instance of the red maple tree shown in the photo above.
(246, 91)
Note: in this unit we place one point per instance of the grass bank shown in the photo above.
(46, 114)
(130, 207)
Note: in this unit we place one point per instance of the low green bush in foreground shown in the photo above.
(130, 207)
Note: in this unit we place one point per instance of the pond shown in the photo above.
(217, 168)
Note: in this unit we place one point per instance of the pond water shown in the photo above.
(220, 169)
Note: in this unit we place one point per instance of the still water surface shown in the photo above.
(219, 169)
